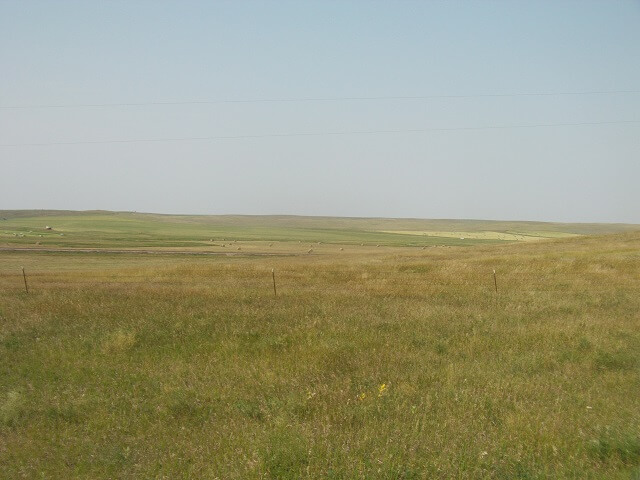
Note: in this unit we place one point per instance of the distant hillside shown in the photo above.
(103, 229)
(340, 223)
(9, 214)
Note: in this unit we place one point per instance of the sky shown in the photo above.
(508, 110)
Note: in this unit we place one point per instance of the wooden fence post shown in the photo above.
(273, 275)
(24, 276)
(495, 281)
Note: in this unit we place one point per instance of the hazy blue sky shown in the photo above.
(66, 54)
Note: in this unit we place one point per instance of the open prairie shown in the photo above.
(382, 355)
(101, 229)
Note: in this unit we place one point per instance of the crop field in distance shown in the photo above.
(154, 346)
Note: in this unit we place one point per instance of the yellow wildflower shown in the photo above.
(382, 389)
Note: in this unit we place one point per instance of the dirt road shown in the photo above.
(145, 252)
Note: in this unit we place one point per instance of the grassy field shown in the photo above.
(488, 235)
(390, 362)
(150, 231)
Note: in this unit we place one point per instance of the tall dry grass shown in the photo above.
(381, 364)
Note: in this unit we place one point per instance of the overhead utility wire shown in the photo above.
(320, 99)
(318, 134)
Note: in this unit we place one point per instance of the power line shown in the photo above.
(322, 99)
(319, 134)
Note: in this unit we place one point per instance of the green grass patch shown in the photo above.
(386, 364)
